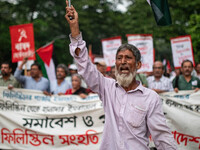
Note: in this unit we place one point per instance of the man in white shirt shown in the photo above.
(158, 82)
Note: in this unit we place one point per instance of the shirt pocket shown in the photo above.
(136, 115)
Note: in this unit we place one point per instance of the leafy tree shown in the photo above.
(98, 19)
(194, 31)
(5, 20)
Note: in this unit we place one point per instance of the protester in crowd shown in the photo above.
(158, 82)
(198, 70)
(186, 81)
(132, 111)
(73, 70)
(76, 87)
(60, 85)
(6, 78)
(142, 78)
(35, 81)
(101, 65)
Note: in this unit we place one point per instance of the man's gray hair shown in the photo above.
(63, 66)
(132, 48)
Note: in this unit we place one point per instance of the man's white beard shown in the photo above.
(124, 80)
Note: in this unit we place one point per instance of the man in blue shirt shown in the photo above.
(60, 85)
(35, 81)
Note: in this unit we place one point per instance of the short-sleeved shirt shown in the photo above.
(30, 83)
(55, 88)
(184, 85)
(11, 81)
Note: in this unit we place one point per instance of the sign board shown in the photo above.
(22, 42)
(182, 50)
(110, 46)
(144, 42)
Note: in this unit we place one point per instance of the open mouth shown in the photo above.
(124, 70)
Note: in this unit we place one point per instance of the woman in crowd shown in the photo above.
(76, 87)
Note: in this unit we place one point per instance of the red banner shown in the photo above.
(22, 42)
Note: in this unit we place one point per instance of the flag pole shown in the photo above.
(25, 69)
(56, 38)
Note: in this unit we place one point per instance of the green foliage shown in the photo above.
(98, 19)
(194, 31)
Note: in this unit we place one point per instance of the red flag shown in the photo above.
(22, 42)
(45, 53)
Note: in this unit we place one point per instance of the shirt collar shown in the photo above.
(139, 87)
(38, 80)
(10, 78)
(161, 79)
(63, 82)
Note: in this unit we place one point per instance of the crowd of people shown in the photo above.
(68, 81)
(131, 102)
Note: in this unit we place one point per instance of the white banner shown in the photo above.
(31, 120)
(182, 111)
(110, 46)
(181, 50)
(144, 42)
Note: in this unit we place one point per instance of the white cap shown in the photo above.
(99, 60)
(73, 67)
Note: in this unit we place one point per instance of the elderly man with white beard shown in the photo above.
(132, 112)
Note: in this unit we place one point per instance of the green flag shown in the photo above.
(161, 11)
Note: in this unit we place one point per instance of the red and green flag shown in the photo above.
(44, 58)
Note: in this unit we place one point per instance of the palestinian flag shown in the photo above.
(44, 58)
(161, 11)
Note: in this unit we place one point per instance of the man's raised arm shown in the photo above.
(78, 50)
(72, 18)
